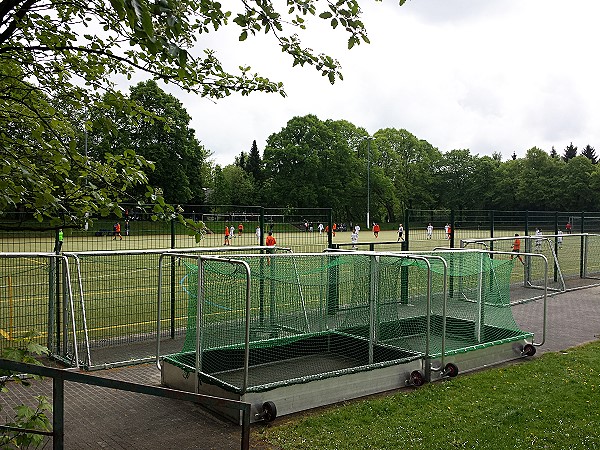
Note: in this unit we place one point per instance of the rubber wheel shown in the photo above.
(451, 370)
(417, 378)
(269, 411)
(529, 350)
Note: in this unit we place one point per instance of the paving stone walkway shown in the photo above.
(102, 418)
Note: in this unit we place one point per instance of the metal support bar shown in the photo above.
(60, 376)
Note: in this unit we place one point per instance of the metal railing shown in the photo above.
(58, 398)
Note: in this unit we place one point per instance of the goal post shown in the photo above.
(573, 257)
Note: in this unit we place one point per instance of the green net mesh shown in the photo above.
(334, 313)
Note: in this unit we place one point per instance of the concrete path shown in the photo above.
(102, 418)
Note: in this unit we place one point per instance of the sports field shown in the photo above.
(119, 289)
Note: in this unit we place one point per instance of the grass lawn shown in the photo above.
(551, 402)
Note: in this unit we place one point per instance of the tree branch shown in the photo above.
(19, 14)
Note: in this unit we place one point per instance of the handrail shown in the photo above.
(59, 376)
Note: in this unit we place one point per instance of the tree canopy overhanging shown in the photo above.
(59, 60)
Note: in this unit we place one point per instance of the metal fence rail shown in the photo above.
(58, 397)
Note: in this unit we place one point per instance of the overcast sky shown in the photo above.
(484, 75)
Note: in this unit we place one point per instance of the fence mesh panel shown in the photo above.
(25, 297)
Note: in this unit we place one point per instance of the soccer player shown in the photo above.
(117, 231)
(240, 229)
(559, 240)
(258, 235)
(538, 241)
(400, 233)
(270, 242)
(59, 242)
(376, 229)
(516, 248)
(429, 231)
(226, 235)
(354, 238)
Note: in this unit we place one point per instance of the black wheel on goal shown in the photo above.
(417, 378)
(451, 370)
(269, 411)
(529, 350)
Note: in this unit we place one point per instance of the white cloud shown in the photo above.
(489, 76)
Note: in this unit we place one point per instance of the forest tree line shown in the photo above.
(314, 163)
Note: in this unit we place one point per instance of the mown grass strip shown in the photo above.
(552, 402)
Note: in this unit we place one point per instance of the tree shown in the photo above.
(590, 153)
(455, 182)
(504, 190)
(181, 163)
(253, 163)
(310, 164)
(554, 153)
(25, 349)
(240, 161)
(537, 183)
(485, 179)
(408, 162)
(570, 152)
(59, 58)
(232, 186)
(575, 185)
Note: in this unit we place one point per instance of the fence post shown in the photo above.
(492, 218)
(261, 281)
(262, 226)
(58, 413)
(451, 281)
(51, 304)
(581, 253)
(333, 288)
(452, 228)
(173, 244)
(329, 228)
(555, 274)
(57, 310)
(405, 245)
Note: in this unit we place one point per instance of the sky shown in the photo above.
(490, 76)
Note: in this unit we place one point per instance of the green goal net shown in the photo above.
(308, 316)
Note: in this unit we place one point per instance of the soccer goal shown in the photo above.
(573, 258)
(288, 332)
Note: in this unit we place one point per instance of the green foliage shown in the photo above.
(25, 350)
(590, 153)
(164, 137)
(315, 163)
(310, 164)
(57, 65)
(551, 402)
(233, 186)
(570, 152)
